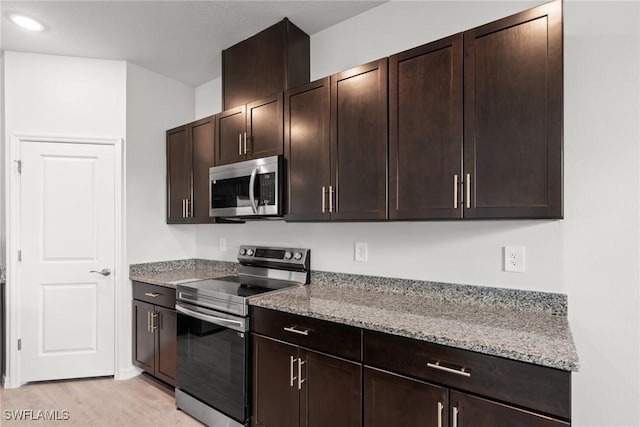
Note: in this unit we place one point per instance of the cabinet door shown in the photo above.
(255, 67)
(331, 394)
(271, 61)
(178, 174)
(359, 142)
(275, 392)
(143, 337)
(202, 141)
(231, 143)
(476, 412)
(425, 131)
(513, 116)
(264, 127)
(391, 399)
(307, 151)
(165, 327)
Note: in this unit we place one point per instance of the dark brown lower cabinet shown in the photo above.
(293, 386)
(155, 331)
(394, 400)
(472, 411)
(385, 380)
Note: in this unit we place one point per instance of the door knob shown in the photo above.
(104, 271)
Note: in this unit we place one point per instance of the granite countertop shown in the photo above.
(520, 325)
(3, 274)
(171, 273)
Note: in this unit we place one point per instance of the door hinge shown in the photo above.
(19, 256)
(19, 344)
(19, 165)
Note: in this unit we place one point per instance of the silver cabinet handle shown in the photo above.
(468, 181)
(323, 198)
(152, 294)
(154, 325)
(296, 331)
(455, 417)
(239, 144)
(455, 191)
(148, 321)
(184, 208)
(105, 271)
(189, 208)
(438, 366)
(331, 198)
(440, 408)
(245, 143)
(292, 378)
(300, 380)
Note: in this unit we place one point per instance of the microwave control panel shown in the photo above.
(267, 182)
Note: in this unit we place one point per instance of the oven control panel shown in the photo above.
(294, 256)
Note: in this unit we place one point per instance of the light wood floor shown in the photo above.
(137, 402)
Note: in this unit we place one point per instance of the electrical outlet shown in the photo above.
(360, 251)
(222, 244)
(514, 259)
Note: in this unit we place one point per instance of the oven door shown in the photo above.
(250, 188)
(213, 359)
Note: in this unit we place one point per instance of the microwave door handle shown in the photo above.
(252, 196)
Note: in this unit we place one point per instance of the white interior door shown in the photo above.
(67, 230)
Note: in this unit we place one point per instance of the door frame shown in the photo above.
(122, 293)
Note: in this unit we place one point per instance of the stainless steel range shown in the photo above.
(213, 338)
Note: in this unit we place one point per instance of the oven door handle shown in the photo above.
(236, 325)
(252, 196)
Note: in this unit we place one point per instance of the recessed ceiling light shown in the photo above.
(26, 22)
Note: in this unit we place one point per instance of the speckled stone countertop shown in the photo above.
(2, 274)
(520, 325)
(171, 273)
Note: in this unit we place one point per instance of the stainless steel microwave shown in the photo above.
(252, 188)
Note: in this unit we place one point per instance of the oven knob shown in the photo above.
(297, 256)
(242, 251)
(249, 252)
(287, 255)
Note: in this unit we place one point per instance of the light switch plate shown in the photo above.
(222, 244)
(360, 251)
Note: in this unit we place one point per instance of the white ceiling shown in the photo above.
(180, 39)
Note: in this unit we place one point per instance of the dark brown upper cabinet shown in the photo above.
(425, 131)
(513, 116)
(336, 146)
(250, 131)
(178, 174)
(359, 143)
(190, 154)
(270, 62)
(307, 150)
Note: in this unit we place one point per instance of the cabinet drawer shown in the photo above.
(154, 294)
(329, 337)
(536, 387)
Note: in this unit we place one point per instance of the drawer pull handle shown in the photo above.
(152, 294)
(296, 331)
(450, 370)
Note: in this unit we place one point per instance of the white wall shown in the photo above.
(155, 103)
(209, 98)
(64, 95)
(592, 255)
